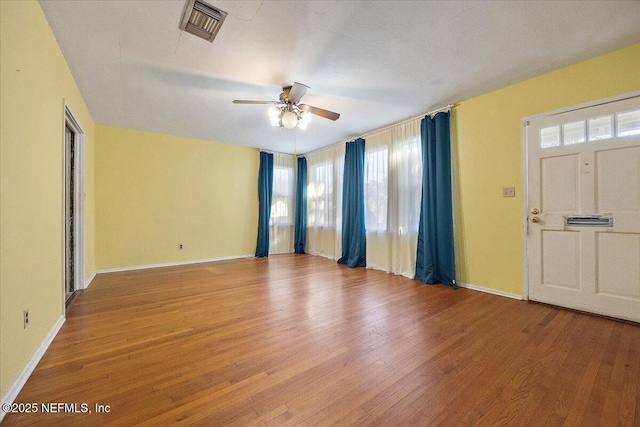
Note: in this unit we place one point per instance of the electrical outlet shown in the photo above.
(25, 318)
(180, 246)
(509, 192)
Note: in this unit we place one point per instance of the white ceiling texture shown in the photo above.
(374, 62)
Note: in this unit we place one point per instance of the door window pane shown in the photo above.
(629, 123)
(550, 137)
(573, 133)
(600, 128)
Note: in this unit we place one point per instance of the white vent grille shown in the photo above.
(202, 20)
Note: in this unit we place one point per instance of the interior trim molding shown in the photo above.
(17, 385)
(490, 291)
(170, 264)
(70, 121)
(89, 280)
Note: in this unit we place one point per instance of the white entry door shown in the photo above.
(583, 238)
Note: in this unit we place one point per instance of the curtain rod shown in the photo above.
(428, 113)
(274, 152)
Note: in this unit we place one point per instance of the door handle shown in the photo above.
(535, 219)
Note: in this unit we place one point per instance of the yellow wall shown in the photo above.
(35, 79)
(487, 139)
(156, 191)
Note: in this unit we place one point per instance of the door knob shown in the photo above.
(535, 219)
(535, 211)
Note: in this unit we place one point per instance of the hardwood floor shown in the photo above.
(300, 340)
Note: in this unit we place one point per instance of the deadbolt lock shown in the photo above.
(535, 211)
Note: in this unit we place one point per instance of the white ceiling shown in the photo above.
(375, 62)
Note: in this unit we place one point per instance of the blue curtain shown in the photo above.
(435, 262)
(354, 244)
(300, 227)
(265, 193)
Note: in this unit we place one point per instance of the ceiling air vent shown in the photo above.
(202, 20)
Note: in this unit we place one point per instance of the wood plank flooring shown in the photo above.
(300, 340)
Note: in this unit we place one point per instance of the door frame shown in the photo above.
(69, 119)
(525, 169)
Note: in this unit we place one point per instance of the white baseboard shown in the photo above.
(89, 280)
(490, 291)
(171, 264)
(17, 385)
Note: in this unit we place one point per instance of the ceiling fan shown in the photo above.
(288, 112)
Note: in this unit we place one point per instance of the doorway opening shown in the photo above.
(73, 208)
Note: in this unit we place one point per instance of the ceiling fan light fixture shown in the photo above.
(305, 118)
(275, 112)
(289, 120)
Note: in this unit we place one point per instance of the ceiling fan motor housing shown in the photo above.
(284, 96)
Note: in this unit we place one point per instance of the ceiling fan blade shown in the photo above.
(297, 91)
(248, 101)
(319, 112)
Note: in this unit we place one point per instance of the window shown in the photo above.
(282, 205)
(282, 202)
(573, 133)
(393, 190)
(629, 123)
(325, 170)
(600, 128)
(550, 137)
(595, 129)
(320, 198)
(376, 181)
